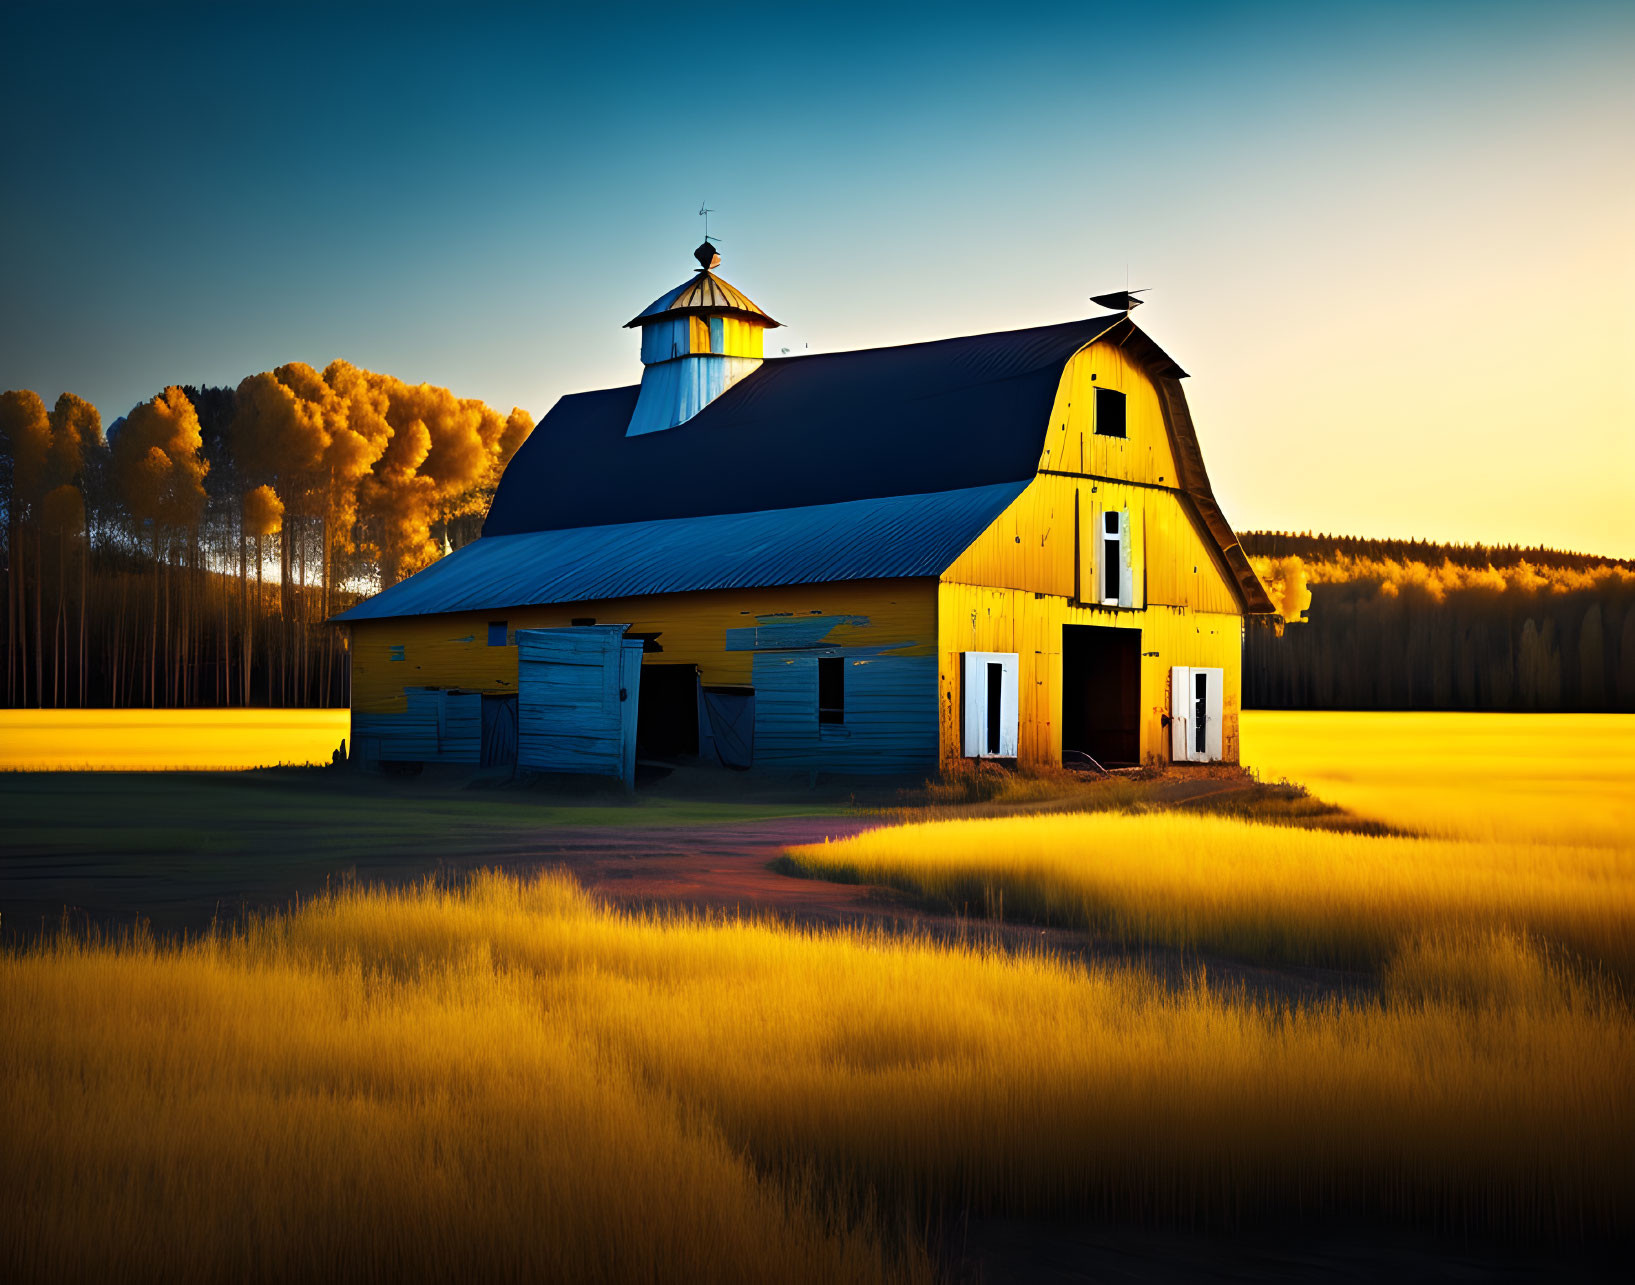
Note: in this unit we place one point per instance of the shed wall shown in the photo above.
(885, 630)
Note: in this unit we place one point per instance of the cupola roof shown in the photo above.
(703, 294)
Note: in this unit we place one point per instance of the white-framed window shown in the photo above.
(990, 713)
(1112, 556)
(1196, 704)
(1106, 568)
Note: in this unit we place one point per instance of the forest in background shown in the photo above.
(190, 554)
(1404, 624)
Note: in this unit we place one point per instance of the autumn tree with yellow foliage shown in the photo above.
(159, 539)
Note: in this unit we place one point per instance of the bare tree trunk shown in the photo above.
(301, 628)
(153, 629)
(245, 624)
(13, 641)
(285, 588)
(39, 646)
(84, 589)
(59, 627)
(260, 602)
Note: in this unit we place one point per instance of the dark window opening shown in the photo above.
(1200, 713)
(831, 689)
(580, 621)
(667, 712)
(496, 633)
(996, 695)
(1101, 695)
(1112, 558)
(1109, 413)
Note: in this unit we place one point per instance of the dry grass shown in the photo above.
(1531, 818)
(311, 1102)
(1271, 893)
(509, 1081)
(146, 740)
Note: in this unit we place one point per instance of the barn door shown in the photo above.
(577, 692)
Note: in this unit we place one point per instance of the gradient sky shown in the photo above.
(1393, 244)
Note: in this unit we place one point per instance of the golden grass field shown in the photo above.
(142, 740)
(1492, 861)
(510, 1080)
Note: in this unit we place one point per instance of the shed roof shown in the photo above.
(885, 538)
(702, 293)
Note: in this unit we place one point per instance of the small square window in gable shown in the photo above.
(1110, 420)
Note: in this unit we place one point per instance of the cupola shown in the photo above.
(698, 340)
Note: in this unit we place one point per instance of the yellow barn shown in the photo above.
(1000, 546)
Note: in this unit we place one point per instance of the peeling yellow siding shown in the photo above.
(1030, 546)
(453, 651)
(1071, 443)
(974, 618)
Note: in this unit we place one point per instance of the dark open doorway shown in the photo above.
(1101, 694)
(499, 746)
(667, 712)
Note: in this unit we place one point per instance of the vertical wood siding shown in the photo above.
(1071, 442)
(1031, 546)
(436, 726)
(890, 722)
(976, 618)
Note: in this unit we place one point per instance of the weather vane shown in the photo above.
(704, 213)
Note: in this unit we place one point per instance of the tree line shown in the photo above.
(191, 554)
(1462, 627)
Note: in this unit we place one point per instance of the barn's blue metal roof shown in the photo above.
(900, 535)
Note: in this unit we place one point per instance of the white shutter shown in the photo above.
(973, 689)
(1180, 697)
(975, 708)
(1213, 705)
(1126, 567)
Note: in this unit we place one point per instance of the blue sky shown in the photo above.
(1391, 242)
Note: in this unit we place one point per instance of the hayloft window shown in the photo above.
(831, 689)
(1110, 413)
(1112, 557)
(496, 633)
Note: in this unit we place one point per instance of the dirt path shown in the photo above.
(727, 868)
